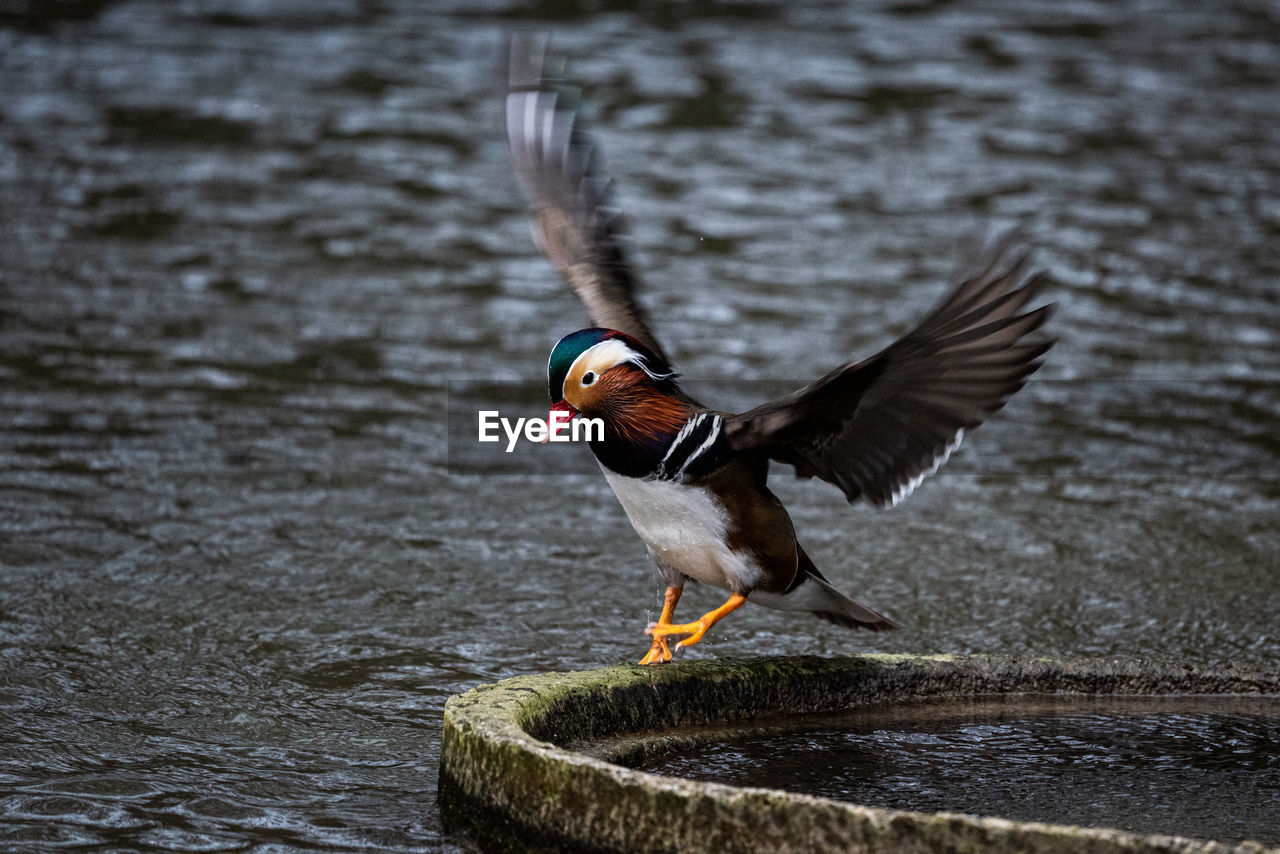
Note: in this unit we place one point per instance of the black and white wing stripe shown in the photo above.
(574, 223)
(693, 450)
(877, 428)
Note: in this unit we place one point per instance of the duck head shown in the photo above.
(606, 374)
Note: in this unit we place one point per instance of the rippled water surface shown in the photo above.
(246, 246)
(1198, 768)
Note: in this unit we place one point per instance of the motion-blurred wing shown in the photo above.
(878, 427)
(573, 221)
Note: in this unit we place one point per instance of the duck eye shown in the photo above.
(588, 378)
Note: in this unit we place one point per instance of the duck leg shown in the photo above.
(695, 631)
(658, 653)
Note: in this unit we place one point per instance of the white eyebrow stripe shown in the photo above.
(615, 351)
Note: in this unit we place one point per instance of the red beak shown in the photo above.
(561, 405)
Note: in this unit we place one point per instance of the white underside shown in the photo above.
(685, 529)
(811, 595)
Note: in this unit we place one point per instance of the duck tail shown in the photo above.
(813, 593)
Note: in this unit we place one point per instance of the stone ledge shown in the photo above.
(507, 776)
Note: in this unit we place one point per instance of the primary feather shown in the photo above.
(574, 221)
(876, 428)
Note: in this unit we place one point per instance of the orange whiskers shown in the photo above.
(637, 411)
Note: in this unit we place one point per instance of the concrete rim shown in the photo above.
(507, 777)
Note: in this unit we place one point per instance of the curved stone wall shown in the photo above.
(509, 776)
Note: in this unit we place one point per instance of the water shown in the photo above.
(1199, 768)
(245, 246)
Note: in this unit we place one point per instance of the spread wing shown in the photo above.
(878, 427)
(574, 223)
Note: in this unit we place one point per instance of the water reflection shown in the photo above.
(244, 247)
(1203, 768)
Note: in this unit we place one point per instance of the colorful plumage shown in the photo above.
(692, 480)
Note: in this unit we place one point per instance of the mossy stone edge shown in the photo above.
(504, 777)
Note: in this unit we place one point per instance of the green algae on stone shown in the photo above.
(509, 771)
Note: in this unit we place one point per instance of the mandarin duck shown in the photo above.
(692, 480)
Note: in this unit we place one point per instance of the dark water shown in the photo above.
(1199, 768)
(246, 245)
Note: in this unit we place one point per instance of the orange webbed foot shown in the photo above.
(659, 653)
(660, 630)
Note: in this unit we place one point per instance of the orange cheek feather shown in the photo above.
(634, 409)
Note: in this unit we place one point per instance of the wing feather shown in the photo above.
(574, 222)
(878, 427)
